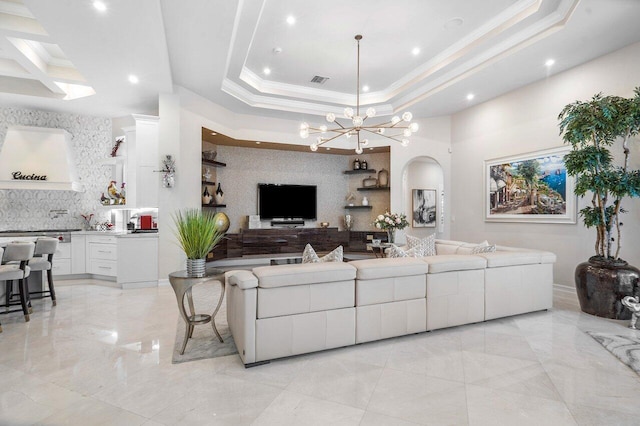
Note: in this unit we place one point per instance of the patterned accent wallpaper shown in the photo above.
(31, 209)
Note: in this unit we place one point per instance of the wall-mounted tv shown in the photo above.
(287, 201)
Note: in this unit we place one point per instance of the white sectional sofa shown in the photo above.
(284, 310)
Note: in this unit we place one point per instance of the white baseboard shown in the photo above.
(564, 288)
(163, 282)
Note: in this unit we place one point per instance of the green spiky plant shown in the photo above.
(196, 232)
(593, 128)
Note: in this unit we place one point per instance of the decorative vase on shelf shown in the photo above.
(348, 222)
(219, 195)
(365, 201)
(391, 236)
(206, 196)
(383, 178)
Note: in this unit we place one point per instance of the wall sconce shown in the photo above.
(168, 171)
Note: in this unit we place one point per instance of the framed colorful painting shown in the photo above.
(533, 187)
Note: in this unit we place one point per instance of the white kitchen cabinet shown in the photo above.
(138, 261)
(141, 142)
(78, 254)
(62, 260)
(102, 252)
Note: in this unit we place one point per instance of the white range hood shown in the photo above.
(38, 158)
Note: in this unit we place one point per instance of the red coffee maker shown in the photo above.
(146, 221)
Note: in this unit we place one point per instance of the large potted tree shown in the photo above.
(600, 132)
(198, 233)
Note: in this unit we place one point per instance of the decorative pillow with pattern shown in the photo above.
(423, 246)
(395, 251)
(309, 255)
(484, 249)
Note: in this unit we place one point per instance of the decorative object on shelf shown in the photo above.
(365, 201)
(369, 182)
(219, 195)
(254, 221)
(206, 196)
(113, 194)
(400, 124)
(87, 218)
(207, 174)
(356, 164)
(324, 224)
(168, 171)
(114, 150)
(209, 155)
(391, 222)
(197, 233)
(350, 198)
(632, 304)
(348, 222)
(104, 200)
(123, 194)
(104, 226)
(593, 128)
(364, 165)
(383, 178)
(222, 221)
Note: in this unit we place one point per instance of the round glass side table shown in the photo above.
(182, 285)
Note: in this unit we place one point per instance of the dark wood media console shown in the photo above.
(292, 240)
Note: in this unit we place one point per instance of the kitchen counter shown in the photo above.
(119, 234)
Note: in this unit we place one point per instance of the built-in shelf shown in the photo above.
(374, 188)
(215, 205)
(358, 207)
(206, 182)
(359, 171)
(214, 163)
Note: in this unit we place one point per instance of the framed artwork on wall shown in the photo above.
(424, 208)
(532, 187)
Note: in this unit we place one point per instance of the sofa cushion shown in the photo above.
(468, 248)
(510, 258)
(309, 255)
(395, 251)
(384, 268)
(423, 246)
(447, 246)
(303, 273)
(241, 278)
(454, 262)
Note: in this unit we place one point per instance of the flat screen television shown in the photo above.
(287, 201)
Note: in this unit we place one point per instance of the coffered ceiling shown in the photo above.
(423, 55)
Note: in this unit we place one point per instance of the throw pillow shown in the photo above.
(484, 249)
(395, 251)
(309, 255)
(423, 246)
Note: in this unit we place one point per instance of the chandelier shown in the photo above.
(397, 129)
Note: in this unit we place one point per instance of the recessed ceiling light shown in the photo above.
(549, 62)
(370, 149)
(415, 51)
(100, 6)
(133, 79)
(291, 19)
(453, 23)
(328, 149)
(213, 133)
(257, 142)
(365, 88)
(470, 96)
(266, 71)
(277, 50)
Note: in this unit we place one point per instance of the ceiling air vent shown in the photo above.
(319, 80)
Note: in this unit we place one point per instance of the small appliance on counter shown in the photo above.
(146, 221)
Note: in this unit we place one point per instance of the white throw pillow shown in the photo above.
(423, 246)
(395, 251)
(309, 255)
(484, 249)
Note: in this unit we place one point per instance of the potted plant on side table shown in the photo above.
(594, 128)
(197, 233)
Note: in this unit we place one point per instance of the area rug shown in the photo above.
(204, 343)
(625, 348)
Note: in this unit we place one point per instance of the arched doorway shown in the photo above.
(423, 196)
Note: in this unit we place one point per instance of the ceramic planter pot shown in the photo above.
(601, 286)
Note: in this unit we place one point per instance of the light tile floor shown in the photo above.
(103, 357)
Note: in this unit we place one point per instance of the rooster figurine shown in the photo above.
(112, 192)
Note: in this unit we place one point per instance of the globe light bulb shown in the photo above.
(381, 131)
(406, 132)
(371, 112)
(304, 134)
(323, 128)
(358, 150)
(314, 147)
(404, 142)
(348, 112)
(304, 126)
(407, 116)
(414, 127)
(331, 117)
(395, 119)
(357, 121)
(364, 142)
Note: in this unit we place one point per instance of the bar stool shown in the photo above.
(43, 261)
(16, 252)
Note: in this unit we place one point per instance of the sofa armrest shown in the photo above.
(243, 279)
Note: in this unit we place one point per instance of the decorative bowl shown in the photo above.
(209, 155)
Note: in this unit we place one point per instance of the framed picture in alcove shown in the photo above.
(532, 187)
(423, 208)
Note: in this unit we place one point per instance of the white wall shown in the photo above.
(525, 120)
